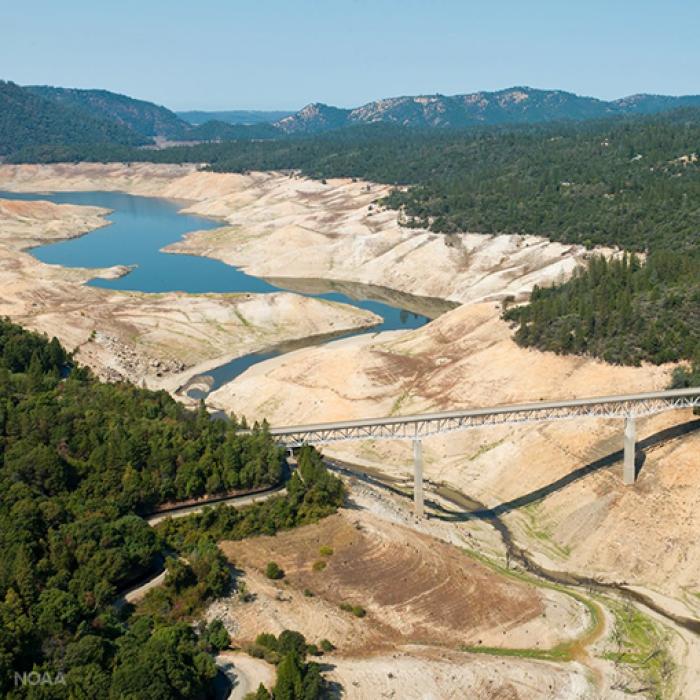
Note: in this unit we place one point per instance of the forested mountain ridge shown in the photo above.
(145, 118)
(27, 119)
(42, 116)
(108, 117)
(517, 105)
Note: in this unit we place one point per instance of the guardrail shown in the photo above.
(415, 427)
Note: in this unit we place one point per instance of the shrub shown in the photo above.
(326, 645)
(325, 551)
(358, 611)
(267, 640)
(257, 652)
(273, 571)
(291, 640)
(244, 595)
(216, 636)
(319, 565)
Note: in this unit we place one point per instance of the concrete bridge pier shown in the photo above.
(629, 467)
(418, 478)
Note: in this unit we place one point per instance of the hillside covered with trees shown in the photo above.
(144, 118)
(27, 119)
(620, 310)
(80, 461)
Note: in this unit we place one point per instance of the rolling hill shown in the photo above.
(27, 119)
(234, 116)
(144, 118)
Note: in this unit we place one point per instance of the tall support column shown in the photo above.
(417, 478)
(629, 469)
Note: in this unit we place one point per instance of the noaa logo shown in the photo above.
(36, 678)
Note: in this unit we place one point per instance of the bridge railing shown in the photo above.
(424, 425)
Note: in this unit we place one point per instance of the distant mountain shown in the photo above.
(223, 131)
(316, 117)
(652, 104)
(515, 105)
(234, 116)
(28, 119)
(41, 116)
(145, 118)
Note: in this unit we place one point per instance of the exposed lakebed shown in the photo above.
(140, 227)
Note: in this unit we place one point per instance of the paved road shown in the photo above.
(135, 594)
(235, 501)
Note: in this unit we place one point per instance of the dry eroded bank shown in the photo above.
(331, 231)
(140, 337)
(591, 523)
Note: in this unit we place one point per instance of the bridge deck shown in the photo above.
(421, 425)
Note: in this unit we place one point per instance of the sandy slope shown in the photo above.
(331, 231)
(424, 599)
(413, 586)
(142, 337)
(467, 358)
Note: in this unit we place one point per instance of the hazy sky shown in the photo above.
(217, 54)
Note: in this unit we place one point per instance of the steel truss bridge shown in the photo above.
(418, 426)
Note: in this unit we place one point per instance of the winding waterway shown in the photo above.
(140, 227)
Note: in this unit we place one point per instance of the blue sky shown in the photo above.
(267, 54)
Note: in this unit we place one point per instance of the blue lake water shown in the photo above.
(141, 226)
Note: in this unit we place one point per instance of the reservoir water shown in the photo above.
(141, 226)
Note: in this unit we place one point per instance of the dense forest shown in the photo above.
(27, 119)
(144, 118)
(621, 310)
(79, 462)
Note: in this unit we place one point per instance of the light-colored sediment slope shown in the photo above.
(445, 675)
(331, 231)
(336, 231)
(467, 358)
(423, 598)
(142, 337)
(413, 587)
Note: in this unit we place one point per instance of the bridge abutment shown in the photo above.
(629, 467)
(418, 478)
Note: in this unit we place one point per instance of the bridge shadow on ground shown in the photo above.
(655, 440)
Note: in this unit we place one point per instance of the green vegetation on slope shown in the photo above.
(78, 461)
(27, 119)
(620, 310)
(144, 118)
(297, 679)
(312, 493)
